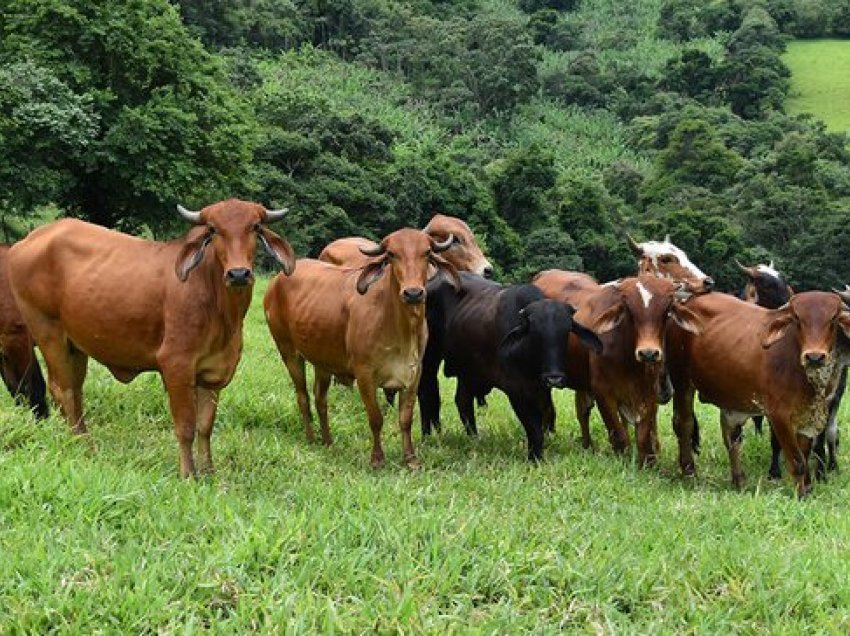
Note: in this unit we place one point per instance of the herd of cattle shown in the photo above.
(388, 315)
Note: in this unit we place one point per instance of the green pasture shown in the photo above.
(98, 534)
(820, 81)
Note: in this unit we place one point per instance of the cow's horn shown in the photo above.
(749, 271)
(373, 251)
(844, 295)
(192, 217)
(634, 245)
(273, 216)
(442, 247)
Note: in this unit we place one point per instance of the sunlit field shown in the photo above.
(820, 83)
(98, 534)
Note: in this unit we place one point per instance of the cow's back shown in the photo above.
(345, 252)
(104, 287)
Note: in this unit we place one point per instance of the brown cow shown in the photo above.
(749, 361)
(137, 305)
(18, 363)
(630, 317)
(366, 324)
(464, 252)
(665, 260)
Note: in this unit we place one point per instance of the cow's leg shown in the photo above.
(618, 434)
(583, 405)
(376, 419)
(22, 375)
(819, 452)
(531, 417)
(549, 415)
(183, 401)
(405, 422)
(796, 454)
(646, 435)
(66, 371)
(295, 365)
(207, 404)
(832, 434)
(732, 426)
(683, 425)
(775, 470)
(320, 391)
(465, 403)
(758, 422)
(429, 388)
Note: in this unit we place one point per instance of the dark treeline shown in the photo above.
(113, 110)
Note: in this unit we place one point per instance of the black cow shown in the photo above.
(491, 336)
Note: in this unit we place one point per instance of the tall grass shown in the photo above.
(99, 533)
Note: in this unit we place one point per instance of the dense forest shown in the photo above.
(538, 121)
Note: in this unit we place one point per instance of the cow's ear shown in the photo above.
(279, 248)
(369, 274)
(515, 335)
(844, 321)
(686, 319)
(777, 327)
(191, 255)
(446, 268)
(610, 318)
(587, 337)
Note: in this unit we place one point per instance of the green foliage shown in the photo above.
(521, 185)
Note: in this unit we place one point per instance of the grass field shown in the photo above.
(100, 535)
(820, 83)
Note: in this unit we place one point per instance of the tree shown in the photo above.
(168, 128)
(521, 186)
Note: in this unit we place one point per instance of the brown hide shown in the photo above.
(750, 361)
(375, 334)
(88, 291)
(464, 253)
(629, 317)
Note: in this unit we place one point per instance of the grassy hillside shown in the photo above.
(820, 83)
(99, 533)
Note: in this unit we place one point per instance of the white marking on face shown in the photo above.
(645, 294)
(768, 269)
(654, 249)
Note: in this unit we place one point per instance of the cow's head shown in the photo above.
(817, 316)
(407, 253)
(662, 259)
(463, 252)
(647, 302)
(765, 286)
(231, 229)
(537, 343)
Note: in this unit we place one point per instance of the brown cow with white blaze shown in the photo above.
(664, 260)
(630, 317)
(749, 360)
(136, 305)
(464, 252)
(365, 324)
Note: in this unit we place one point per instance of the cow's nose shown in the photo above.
(815, 358)
(554, 380)
(238, 277)
(648, 355)
(487, 272)
(708, 283)
(413, 295)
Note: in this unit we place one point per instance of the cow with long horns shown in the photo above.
(365, 324)
(136, 305)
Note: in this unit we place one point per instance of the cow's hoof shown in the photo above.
(739, 481)
(377, 462)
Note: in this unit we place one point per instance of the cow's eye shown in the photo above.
(211, 230)
(456, 240)
(390, 255)
(666, 259)
(256, 227)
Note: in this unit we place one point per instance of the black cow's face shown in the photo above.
(537, 345)
(766, 286)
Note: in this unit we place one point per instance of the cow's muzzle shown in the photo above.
(814, 359)
(413, 295)
(238, 277)
(554, 380)
(650, 354)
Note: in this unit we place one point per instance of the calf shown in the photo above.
(749, 361)
(630, 315)
(365, 324)
(137, 305)
(490, 336)
(18, 364)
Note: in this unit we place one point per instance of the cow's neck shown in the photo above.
(230, 304)
(403, 319)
